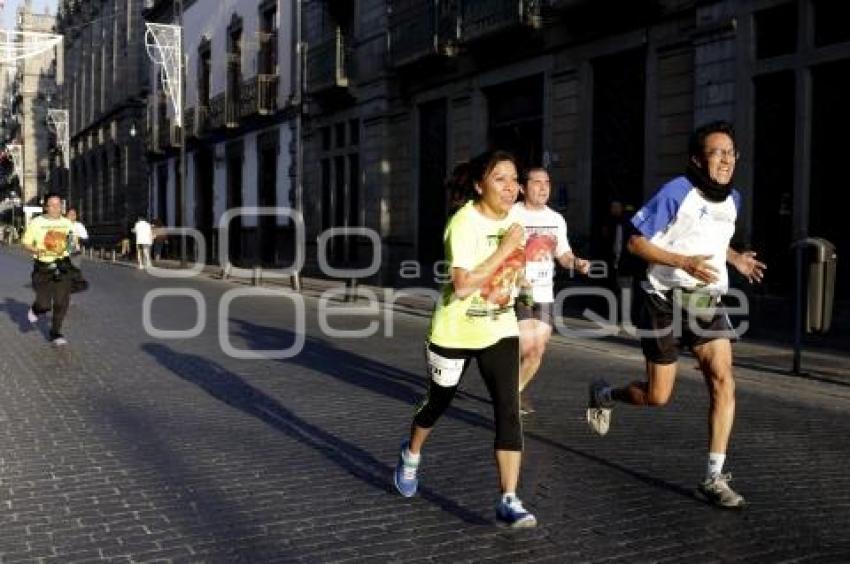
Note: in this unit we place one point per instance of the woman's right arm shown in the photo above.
(467, 282)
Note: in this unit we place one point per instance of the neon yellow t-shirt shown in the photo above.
(486, 316)
(49, 236)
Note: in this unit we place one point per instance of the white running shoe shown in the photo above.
(599, 410)
(511, 512)
(717, 491)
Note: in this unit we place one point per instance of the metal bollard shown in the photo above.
(295, 281)
(257, 276)
(351, 290)
(113, 255)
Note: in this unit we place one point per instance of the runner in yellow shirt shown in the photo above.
(46, 237)
(475, 319)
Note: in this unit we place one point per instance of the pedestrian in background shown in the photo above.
(78, 234)
(144, 240)
(75, 250)
(159, 239)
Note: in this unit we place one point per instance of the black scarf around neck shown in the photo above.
(711, 189)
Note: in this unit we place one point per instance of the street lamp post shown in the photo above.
(183, 60)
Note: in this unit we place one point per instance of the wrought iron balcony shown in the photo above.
(258, 95)
(267, 93)
(233, 92)
(422, 28)
(216, 113)
(248, 98)
(327, 63)
(482, 18)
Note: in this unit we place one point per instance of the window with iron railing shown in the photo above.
(204, 86)
(267, 69)
(233, 90)
(328, 61)
(420, 29)
(482, 18)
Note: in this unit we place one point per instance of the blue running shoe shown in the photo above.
(404, 476)
(511, 512)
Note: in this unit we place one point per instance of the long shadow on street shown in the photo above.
(229, 388)
(17, 312)
(392, 382)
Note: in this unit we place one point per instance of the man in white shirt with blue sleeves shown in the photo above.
(683, 232)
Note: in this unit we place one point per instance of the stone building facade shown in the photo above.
(240, 128)
(33, 89)
(602, 93)
(106, 82)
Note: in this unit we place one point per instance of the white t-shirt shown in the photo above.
(80, 231)
(680, 220)
(545, 240)
(144, 232)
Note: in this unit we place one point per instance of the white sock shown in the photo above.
(507, 496)
(410, 457)
(715, 464)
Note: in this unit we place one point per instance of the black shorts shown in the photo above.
(541, 311)
(663, 348)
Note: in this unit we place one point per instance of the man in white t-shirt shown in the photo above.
(546, 242)
(78, 234)
(144, 240)
(76, 237)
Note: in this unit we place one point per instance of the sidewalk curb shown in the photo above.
(831, 366)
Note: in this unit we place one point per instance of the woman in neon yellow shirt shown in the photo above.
(475, 319)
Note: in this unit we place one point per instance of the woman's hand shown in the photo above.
(512, 238)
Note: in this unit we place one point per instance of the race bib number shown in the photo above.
(539, 273)
(445, 372)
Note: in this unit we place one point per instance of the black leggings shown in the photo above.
(499, 367)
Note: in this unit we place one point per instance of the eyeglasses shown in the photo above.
(731, 154)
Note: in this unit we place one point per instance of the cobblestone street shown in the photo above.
(129, 448)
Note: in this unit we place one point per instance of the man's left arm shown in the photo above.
(746, 264)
